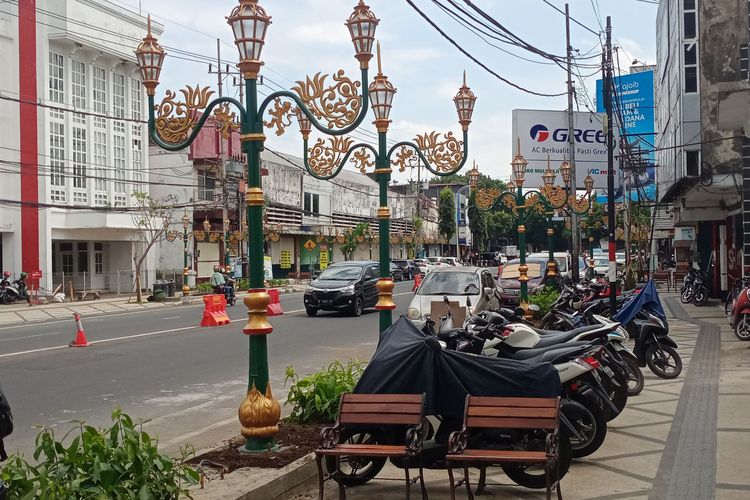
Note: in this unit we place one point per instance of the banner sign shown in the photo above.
(544, 134)
(286, 259)
(633, 115)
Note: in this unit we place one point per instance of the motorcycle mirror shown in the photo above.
(534, 307)
(488, 292)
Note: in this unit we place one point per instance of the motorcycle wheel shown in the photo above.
(664, 361)
(356, 471)
(700, 296)
(742, 328)
(8, 299)
(686, 294)
(532, 476)
(618, 394)
(636, 380)
(589, 422)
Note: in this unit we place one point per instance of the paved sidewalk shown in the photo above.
(679, 439)
(23, 313)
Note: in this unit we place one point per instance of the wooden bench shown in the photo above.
(95, 294)
(663, 277)
(376, 410)
(504, 413)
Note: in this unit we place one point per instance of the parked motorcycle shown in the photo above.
(738, 308)
(15, 291)
(653, 346)
(694, 287)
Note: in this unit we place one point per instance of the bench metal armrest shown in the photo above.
(552, 444)
(458, 441)
(414, 440)
(330, 437)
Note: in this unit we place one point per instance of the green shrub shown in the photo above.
(121, 461)
(243, 284)
(278, 282)
(543, 298)
(315, 398)
(203, 288)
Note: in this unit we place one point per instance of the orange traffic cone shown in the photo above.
(80, 340)
(417, 281)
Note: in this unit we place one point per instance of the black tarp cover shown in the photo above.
(408, 361)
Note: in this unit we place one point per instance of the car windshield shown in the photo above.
(434, 260)
(601, 262)
(438, 283)
(510, 271)
(562, 264)
(400, 263)
(343, 273)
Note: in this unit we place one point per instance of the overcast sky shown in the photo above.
(308, 36)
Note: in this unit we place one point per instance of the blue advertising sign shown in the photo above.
(633, 112)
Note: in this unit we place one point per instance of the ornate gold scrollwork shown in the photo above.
(445, 155)
(403, 158)
(555, 194)
(534, 202)
(175, 119)
(214, 237)
(337, 104)
(361, 160)
(199, 235)
(340, 239)
(486, 198)
(323, 159)
(170, 236)
(226, 121)
(510, 202)
(578, 204)
(281, 116)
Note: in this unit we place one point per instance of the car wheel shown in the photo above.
(357, 307)
(311, 311)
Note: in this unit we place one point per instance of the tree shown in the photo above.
(446, 214)
(477, 224)
(151, 218)
(353, 240)
(500, 226)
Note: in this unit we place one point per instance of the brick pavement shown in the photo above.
(683, 438)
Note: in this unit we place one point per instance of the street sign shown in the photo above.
(286, 259)
(310, 245)
(35, 275)
(323, 260)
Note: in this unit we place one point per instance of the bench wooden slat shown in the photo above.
(509, 411)
(516, 402)
(407, 408)
(502, 455)
(380, 418)
(365, 450)
(511, 423)
(382, 398)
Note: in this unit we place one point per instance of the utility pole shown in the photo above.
(610, 171)
(419, 201)
(224, 187)
(575, 240)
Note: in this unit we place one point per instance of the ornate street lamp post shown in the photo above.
(442, 157)
(548, 199)
(184, 236)
(174, 124)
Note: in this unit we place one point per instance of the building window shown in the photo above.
(98, 258)
(100, 159)
(206, 185)
(689, 20)
(79, 157)
(692, 162)
(67, 263)
(743, 62)
(78, 89)
(56, 78)
(118, 154)
(83, 257)
(57, 154)
(691, 67)
(136, 105)
(99, 87)
(137, 160)
(118, 101)
(312, 204)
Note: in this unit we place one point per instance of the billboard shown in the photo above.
(544, 134)
(633, 114)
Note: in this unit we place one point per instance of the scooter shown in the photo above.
(14, 292)
(740, 314)
(653, 346)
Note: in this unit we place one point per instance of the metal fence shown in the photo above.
(120, 282)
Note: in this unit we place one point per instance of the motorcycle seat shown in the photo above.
(550, 351)
(561, 338)
(577, 331)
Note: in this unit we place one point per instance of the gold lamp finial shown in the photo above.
(380, 71)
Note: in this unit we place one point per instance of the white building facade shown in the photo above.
(80, 91)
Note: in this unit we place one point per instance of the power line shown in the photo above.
(598, 34)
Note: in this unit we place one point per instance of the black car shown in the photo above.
(396, 273)
(344, 286)
(408, 268)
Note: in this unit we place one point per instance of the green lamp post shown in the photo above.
(175, 123)
(443, 157)
(547, 199)
(184, 236)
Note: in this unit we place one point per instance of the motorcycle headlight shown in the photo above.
(347, 289)
(413, 314)
(309, 288)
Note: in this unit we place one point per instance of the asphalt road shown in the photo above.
(159, 365)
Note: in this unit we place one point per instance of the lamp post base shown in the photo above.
(255, 445)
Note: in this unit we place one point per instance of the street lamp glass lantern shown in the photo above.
(381, 97)
(549, 177)
(185, 221)
(519, 168)
(464, 102)
(249, 23)
(473, 177)
(150, 56)
(305, 125)
(588, 182)
(206, 225)
(362, 24)
(565, 170)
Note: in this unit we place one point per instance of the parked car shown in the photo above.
(457, 283)
(601, 265)
(344, 286)
(436, 261)
(396, 273)
(423, 266)
(408, 268)
(452, 261)
(564, 261)
(510, 287)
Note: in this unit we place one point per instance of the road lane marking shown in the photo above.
(30, 336)
(172, 317)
